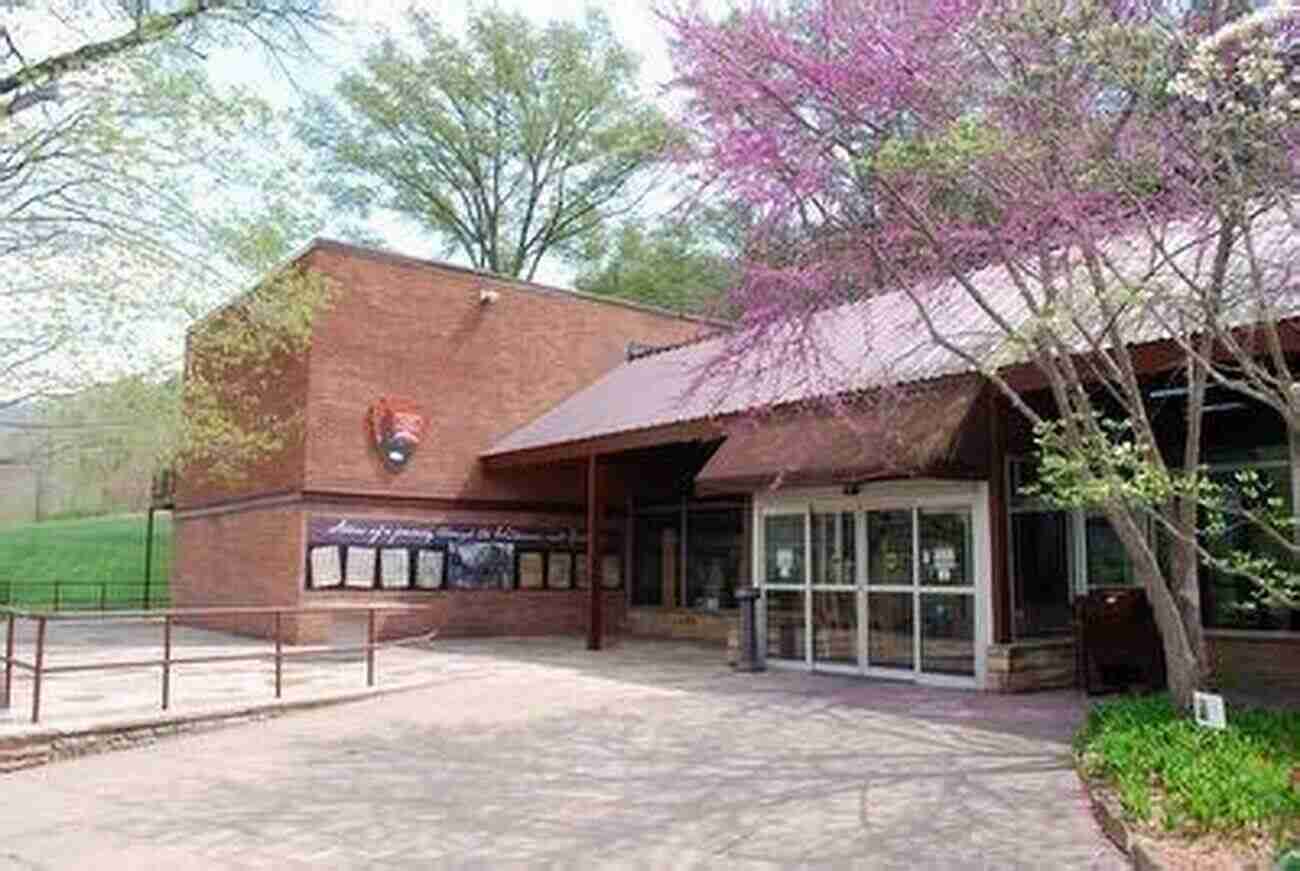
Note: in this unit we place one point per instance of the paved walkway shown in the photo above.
(539, 754)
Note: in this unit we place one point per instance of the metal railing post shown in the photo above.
(370, 647)
(9, 662)
(57, 586)
(167, 663)
(279, 657)
(103, 595)
(39, 672)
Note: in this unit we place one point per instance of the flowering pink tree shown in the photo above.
(1054, 188)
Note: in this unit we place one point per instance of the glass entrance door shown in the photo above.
(921, 591)
(889, 591)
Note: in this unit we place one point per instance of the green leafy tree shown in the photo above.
(686, 266)
(511, 144)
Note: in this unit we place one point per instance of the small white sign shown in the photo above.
(1209, 710)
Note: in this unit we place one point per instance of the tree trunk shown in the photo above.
(1182, 638)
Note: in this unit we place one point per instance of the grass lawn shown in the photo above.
(73, 552)
(1174, 776)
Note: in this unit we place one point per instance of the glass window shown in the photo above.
(948, 633)
(834, 549)
(783, 548)
(657, 539)
(946, 549)
(889, 547)
(1041, 563)
(835, 627)
(889, 630)
(1108, 561)
(714, 541)
(1228, 601)
(785, 624)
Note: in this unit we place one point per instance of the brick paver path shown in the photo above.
(531, 754)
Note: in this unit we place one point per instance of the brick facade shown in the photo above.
(476, 370)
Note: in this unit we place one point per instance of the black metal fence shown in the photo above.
(168, 618)
(84, 595)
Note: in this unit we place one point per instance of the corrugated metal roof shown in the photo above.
(871, 343)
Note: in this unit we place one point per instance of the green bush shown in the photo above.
(1171, 772)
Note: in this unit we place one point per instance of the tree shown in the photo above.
(512, 144)
(134, 194)
(684, 265)
(123, 27)
(1078, 179)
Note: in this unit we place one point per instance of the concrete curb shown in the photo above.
(1140, 850)
(29, 748)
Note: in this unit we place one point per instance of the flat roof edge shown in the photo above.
(321, 242)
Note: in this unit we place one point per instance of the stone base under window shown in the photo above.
(683, 624)
(1026, 666)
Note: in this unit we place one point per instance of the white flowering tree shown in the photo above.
(136, 195)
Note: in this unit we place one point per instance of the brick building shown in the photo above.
(887, 539)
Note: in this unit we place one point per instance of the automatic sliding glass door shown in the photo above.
(889, 591)
(920, 591)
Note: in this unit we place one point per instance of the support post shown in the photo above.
(103, 595)
(9, 661)
(167, 663)
(1000, 582)
(38, 673)
(596, 596)
(148, 556)
(370, 647)
(683, 567)
(58, 586)
(279, 657)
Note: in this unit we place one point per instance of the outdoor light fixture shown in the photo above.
(396, 427)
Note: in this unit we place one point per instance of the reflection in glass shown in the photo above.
(835, 628)
(1108, 562)
(1040, 557)
(834, 549)
(889, 546)
(783, 549)
(946, 549)
(947, 634)
(785, 624)
(889, 630)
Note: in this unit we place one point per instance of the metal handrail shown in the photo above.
(39, 670)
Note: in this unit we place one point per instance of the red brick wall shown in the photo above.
(1261, 664)
(255, 556)
(477, 372)
(238, 558)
